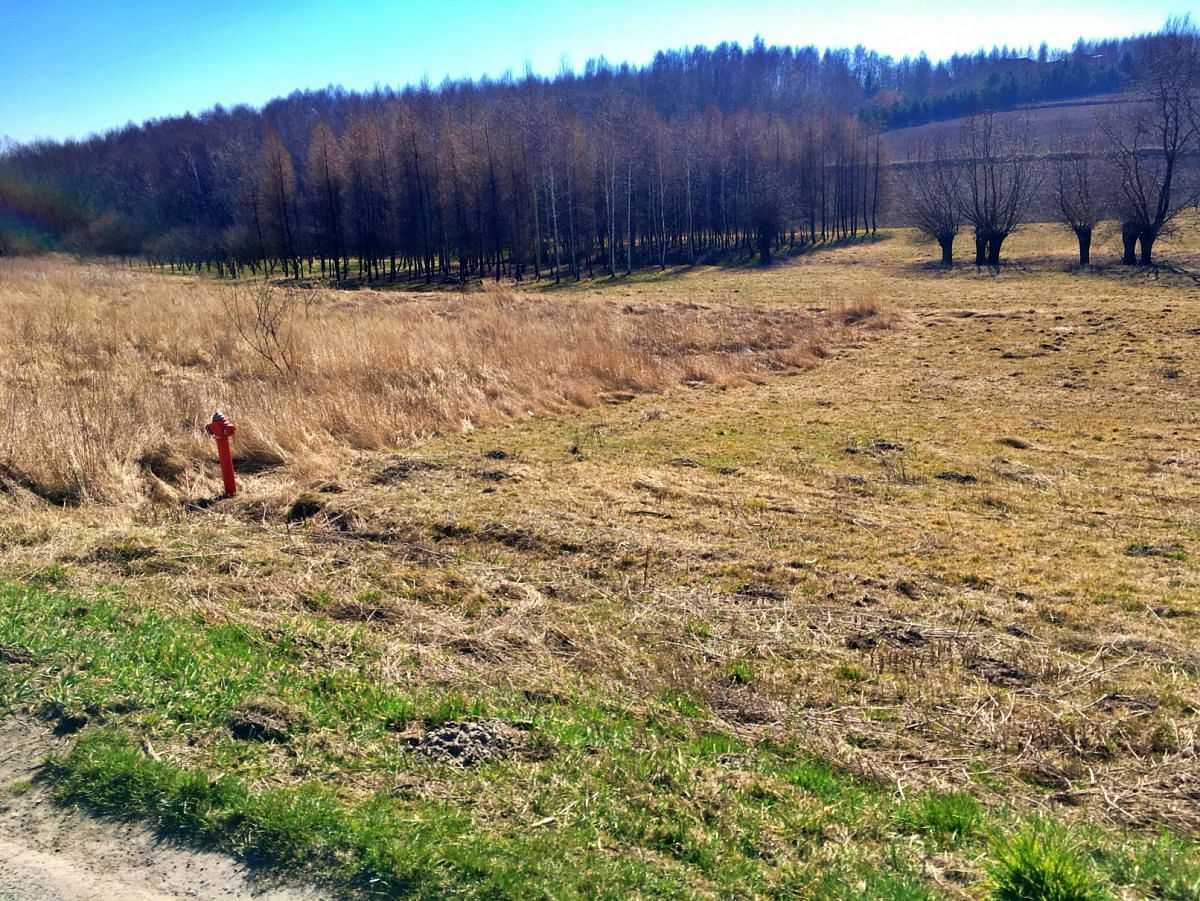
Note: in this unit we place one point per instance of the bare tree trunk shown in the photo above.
(1085, 245)
(662, 217)
(691, 235)
(875, 191)
(1129, 237)
(629, 216)
(554, 222)
(610, 209)
(947, 245)
(995, 240)
(571, 219)
(1146, 239)
(537, 232)
(764, 247)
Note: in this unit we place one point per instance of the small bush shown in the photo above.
(849, 673)
(740, 674)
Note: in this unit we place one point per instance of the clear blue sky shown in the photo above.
(73, 67)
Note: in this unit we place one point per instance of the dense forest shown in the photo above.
(699, 155)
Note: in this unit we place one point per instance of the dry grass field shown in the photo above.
(106, 371)
(850, 577)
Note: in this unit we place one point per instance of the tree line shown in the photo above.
(509, 181)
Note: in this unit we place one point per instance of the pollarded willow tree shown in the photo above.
(932, 193)
(1080, 180)
(1153, 138)
(1001, 178)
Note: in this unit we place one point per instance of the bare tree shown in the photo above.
(277, 188)
(1078, 190)
(325, 195)
(932, 194)
(765, 190)
(262, 316)
(1151, 137)
(1001, 180)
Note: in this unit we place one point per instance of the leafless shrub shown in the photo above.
(263, 317)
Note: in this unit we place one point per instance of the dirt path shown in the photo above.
(50, 853)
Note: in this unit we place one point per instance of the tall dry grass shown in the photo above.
(107, 376)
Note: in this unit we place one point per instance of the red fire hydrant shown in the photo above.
(222, 429)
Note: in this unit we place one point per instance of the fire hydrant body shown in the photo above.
(222, 429)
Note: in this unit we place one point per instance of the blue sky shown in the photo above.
(70, 68)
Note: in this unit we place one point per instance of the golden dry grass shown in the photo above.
(108, 375)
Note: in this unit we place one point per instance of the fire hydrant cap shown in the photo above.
(220, 427)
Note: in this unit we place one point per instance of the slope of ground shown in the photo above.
(1051, 122)
(878, 628)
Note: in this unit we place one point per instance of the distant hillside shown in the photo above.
(1051, 121)
(1007, 79)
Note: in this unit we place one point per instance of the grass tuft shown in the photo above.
(947, 819)
(1042, 863)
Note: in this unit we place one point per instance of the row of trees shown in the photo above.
(1137, 165)
(511, 183)
(479, 192)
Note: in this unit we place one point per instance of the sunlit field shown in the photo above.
(108, 371)
(846, 577)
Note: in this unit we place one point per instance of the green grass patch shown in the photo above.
(951, 819)
(622, 799)
(423, 850)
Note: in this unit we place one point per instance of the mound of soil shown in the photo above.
(306, 506)
(1000, 672)
(961, 478)
(1016, 443)
(470, 742)
(10, 653)
(310, 505)
(901, 635)
(400, 468)
(263, 719)
(1141, 549)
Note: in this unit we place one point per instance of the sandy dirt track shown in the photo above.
(49, 853)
